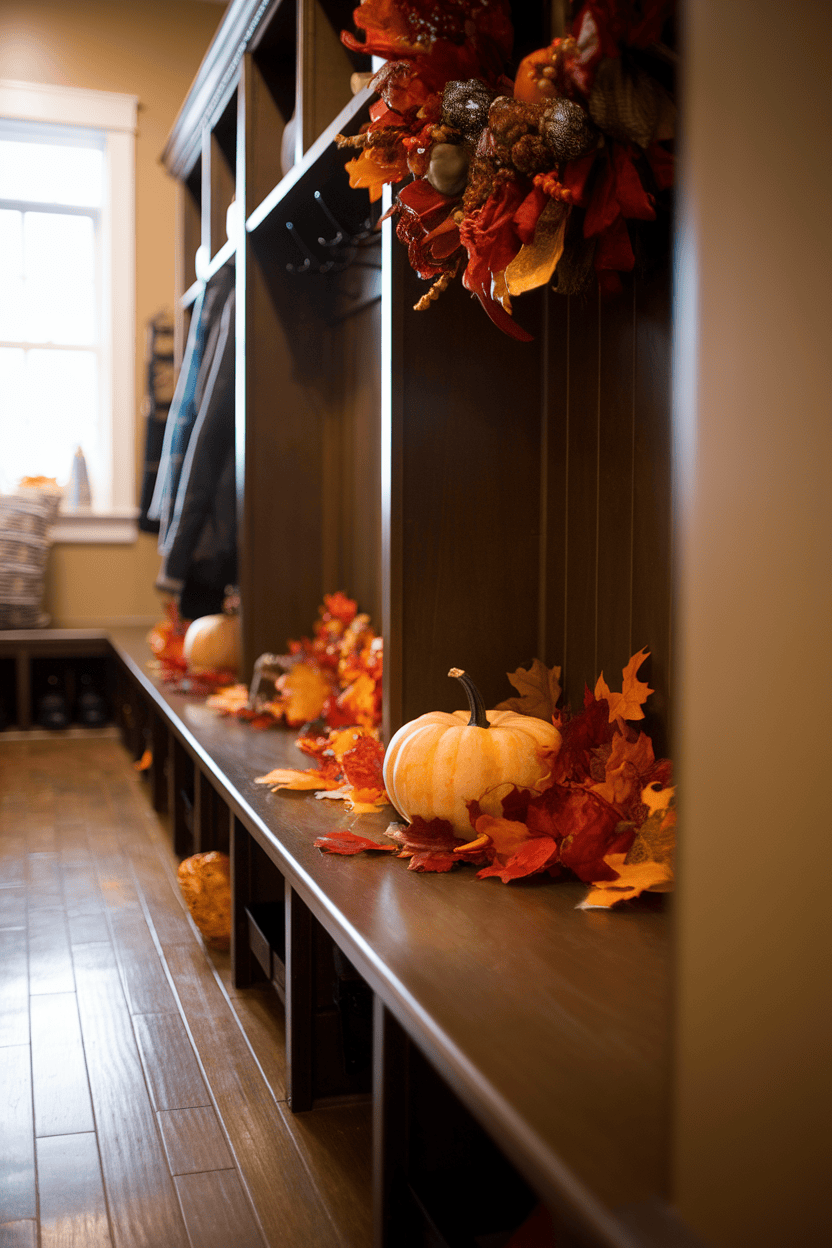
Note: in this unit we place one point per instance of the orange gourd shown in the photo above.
(440, 761)
(212, 643)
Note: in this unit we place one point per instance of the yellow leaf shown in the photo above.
(305, 689)
(536, 261)
(628, 703)
(288, 778)
(632, 880)
(232, 698)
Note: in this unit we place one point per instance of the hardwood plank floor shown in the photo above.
(194, 1141)
(145, 1107)
(141, 1197)
(17, 1154)
(14, 987)
(73, 1212)
(59, 1071)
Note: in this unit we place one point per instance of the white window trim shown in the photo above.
(115, 114)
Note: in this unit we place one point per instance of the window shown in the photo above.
(67, 317)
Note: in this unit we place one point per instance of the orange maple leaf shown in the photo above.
(289, 778)
(628, 762)
(304, 689)
(633, 879)
(628, 703)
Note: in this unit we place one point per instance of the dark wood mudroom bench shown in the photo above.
(500, 1006)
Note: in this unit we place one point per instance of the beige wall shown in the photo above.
(152, 49)
(754, 411)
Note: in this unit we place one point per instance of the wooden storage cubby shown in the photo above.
(486, 501)
(64, 661)
(271, 103)
(8, 692)
(221, 168)
(326, 64)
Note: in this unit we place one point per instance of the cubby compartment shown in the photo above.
(446, 1183)
(342, 1024)
(181, 792)
(326, 64)
(8, 693)
(271, 104)
(190, 201)
(69, 691)
(221, 141)
(312, 401)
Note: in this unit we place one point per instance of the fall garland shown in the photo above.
(517, 183)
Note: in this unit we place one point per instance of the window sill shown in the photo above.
(103, 527)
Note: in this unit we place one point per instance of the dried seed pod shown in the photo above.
(568, 130)
(465, 107)
(448, 168)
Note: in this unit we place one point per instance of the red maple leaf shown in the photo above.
(349, 843)
(582, 734)
(534, 856)
(432, 860)
(429, 843)
(362, 764)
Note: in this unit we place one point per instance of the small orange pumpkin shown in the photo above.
(212, 643)
(440, 761)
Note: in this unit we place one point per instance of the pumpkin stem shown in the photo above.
(478, 719)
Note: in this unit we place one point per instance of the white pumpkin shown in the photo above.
(212, 643)
(440, 761)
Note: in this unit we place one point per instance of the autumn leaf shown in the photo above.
(362, 764)
(648, 864)
(504, 836)
(340, 606)
(630, 881)
(634, 693)
(656, 838)
(229, 700)
(305, 689)
(428, 843)
(532, 857)
(349, 843)
(628, 763)
(539, 689)
(582, 735)
(587, 828)
(358, 703)
(289, 778)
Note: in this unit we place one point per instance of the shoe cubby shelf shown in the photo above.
(55, 679)
(502, 1035)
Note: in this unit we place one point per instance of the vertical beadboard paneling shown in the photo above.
(606, 552)
(582, 514)
(615, 485)
(652, 572)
